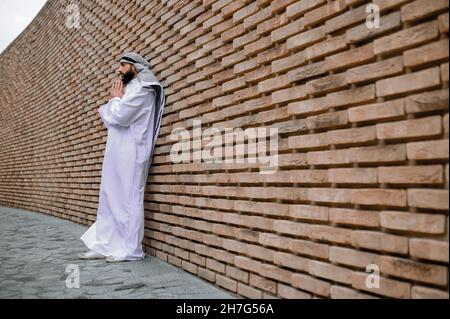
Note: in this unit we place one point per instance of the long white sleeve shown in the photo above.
(124, 111)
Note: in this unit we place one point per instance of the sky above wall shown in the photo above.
(15, 15)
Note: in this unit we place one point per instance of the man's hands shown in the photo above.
(117, 89)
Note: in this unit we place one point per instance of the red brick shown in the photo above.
(354, 15)
(237, 274)
(380, 242)
(274, 240)
(325, 12)
(389, 4)
(326, 47)
(215, 265)
(226, 283)
(412, 270)
(246, 11)
(352, 136)
(338, 292)
(407, 38)
(290, 261)
(388, 287)
(384, 197)
(306, 38)
(428, 150)
(428, 126)
(435, 51)
(257, 18)
(420, 9)
(306, 72)
(350, 58)
(413, 222)
(308, 212)
(247, 263)
(272, 24)
(443, 23)
(327, 120)
(279, 5)
(444, 72)
(428, 198)
(327, 84)
(311, 284)
(309, 248)
(427, 101)
(248, 291)
(292, 293)
(409, 83)
(375, 70)
(354, 217)
(192, 268)
(308, 141)
(429, 249)
(378, 111)
(330, 272)
(330, 234)
(419, 292)
(300, 7)
(353, 175)
(288, 95)
(308, 106)
(289, 62)
(426, 174)
(263, 283)
(363, 33)
(352, 257)
(291, 228)
(287, 31)
(277, 273)
(390, 153)
(206, 274)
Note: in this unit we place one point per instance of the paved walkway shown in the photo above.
(38, 257)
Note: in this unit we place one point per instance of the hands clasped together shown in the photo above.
(117, 89)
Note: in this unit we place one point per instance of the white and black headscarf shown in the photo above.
(148, 80)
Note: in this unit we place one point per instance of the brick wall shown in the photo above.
(363, 136)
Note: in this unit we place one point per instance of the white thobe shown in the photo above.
(119, 228)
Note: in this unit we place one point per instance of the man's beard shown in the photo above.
(127, 77)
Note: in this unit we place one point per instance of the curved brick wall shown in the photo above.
(363, 136)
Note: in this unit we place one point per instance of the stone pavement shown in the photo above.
(38, 256)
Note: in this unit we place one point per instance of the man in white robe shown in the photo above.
(132, 118)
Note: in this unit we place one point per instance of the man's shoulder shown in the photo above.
(146, 89)
(136, 87)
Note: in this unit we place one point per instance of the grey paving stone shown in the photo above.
(36, 249)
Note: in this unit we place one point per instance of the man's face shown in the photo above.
(126, 72)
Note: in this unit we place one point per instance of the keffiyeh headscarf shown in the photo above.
(149, 80)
